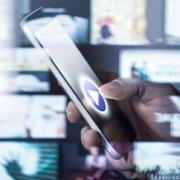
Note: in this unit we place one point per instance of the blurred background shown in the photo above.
(137, 39)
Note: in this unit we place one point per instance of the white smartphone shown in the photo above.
(79, 81)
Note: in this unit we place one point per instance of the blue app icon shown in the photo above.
(94, 95)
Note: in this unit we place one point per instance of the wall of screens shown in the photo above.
(136, 39)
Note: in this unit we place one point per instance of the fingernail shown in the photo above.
(108, 88)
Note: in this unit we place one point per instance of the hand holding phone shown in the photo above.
(80, 83)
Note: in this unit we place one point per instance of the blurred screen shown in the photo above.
(172, 23)
(47, 117)
(23, 59)
(118, 22)
(22, 160)
(92, 164)
(76, 27)
(12, 122)
(158, 159)
(152, 65)
(35, 116)
(7, 19)
(32, 108)
(23, 70)
(72, 14)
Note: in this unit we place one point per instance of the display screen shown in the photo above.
(35, 116)
(87, 164)
(23, 70)
(76, 70)
(152, 65)
(118, 22)
(79, 76)
(172, 25)
(73, 15)
(23, 160)
(7, 19)
(23, 59)
(163, 162)
(135, 39)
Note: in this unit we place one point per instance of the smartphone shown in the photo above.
(78, 80)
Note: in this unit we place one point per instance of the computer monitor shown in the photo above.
(29, 160)
(156, 65)
(35, 116)
(72, 14)
(23, 70)
(160, 159)
(118, 22)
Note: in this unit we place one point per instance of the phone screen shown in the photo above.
(73, 66)
(84, 83)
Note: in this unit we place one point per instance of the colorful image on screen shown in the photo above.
(22, 160)
(153, 65)
(118, 22)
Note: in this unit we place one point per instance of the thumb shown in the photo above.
(120, 89)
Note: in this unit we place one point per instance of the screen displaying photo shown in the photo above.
(76, 27)
(118, 22)
(172, 24)
(72, 14)
(24, 82)
(22, 160)
(13, 112)
(24, 70)
(7, 30)
(35, 116)
(165, 160)
(47, 117)
(23, 59)
(152, 65)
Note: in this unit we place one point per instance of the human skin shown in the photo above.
(139, 101)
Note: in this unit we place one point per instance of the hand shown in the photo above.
(139, 101)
